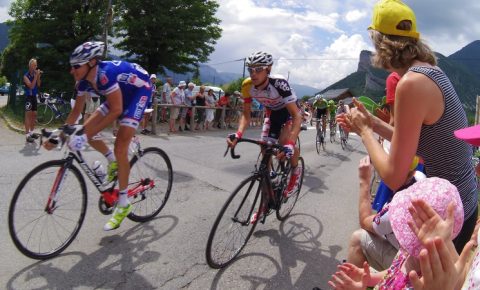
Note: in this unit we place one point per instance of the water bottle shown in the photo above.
(99, 170)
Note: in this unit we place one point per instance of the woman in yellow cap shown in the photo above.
(427, 112)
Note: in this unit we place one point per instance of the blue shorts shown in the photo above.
(133, 108)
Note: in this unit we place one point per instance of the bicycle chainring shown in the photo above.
(104, 207)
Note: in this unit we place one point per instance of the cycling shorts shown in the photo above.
(133, 107)
(321, 112)
(30, 103)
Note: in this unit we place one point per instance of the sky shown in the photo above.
(317, 43)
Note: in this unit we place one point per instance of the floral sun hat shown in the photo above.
(436, 192)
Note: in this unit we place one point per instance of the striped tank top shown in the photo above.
(446, 156)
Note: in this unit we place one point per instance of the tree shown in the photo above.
(49, 31)
(164, 33)
(236, 85)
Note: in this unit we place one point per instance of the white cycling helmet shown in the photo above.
(259, 58)
(87, 51)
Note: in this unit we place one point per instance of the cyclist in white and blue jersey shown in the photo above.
(127, 89)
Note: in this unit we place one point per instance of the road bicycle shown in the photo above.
(320, 137)
(256, 197)
(49, 205)
(51, 107)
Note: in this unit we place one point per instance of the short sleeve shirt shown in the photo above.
(392, 81)
(178, 96)
(167, 89)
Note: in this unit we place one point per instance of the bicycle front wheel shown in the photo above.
(45, 114)
(234, 224)
(153, 170)
(47, 209)
(287, 203)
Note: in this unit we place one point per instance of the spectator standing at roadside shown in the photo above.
(31, 81)
(200, 102)
(177, 98)
(166, 91)
(224, 103)
(184, 114)
(209, 102)
(148, 111)
(426, 90)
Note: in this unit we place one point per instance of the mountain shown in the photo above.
(462, 68)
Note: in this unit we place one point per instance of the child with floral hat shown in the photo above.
(410, 226)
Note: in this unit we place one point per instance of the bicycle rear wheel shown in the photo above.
(318, 141)
(333, 132)
(233, 226)
(42, 227)
(45, 114)
(153, 167)
(287, 203)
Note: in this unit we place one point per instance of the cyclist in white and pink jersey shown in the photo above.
(283, 117)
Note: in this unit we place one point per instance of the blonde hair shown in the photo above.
(31, 61)
(399, 51)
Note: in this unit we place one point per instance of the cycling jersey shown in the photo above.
(320, 103)
(275, 96)
(34, 90)
(131, 79)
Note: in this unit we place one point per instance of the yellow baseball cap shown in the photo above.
(387, 14)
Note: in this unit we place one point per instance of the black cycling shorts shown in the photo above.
(321, 112)
(30, 103)
(277, 121)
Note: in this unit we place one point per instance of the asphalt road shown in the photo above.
(169, 252)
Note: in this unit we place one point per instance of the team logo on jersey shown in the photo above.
(283, 85)
(103, 78)
(140, 107)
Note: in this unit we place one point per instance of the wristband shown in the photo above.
(290, 142)
(239, 135)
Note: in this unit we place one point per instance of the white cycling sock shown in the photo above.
(110, 156)
(123, 200)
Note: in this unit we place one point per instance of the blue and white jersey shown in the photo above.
(120, 75)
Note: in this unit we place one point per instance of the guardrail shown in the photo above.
(235, 116)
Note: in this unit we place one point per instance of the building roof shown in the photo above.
(333, 94)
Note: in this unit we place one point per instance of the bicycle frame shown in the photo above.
(109, 194)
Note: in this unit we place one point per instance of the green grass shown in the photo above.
(15, 116)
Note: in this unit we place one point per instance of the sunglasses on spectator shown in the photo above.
(256, 69)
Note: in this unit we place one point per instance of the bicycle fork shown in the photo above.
(246, 222)
(59, 180)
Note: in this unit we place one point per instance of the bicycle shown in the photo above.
(49, 205)
(253, 200)
(51, 107)
(320, 137)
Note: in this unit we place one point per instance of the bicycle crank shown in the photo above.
(104, 207)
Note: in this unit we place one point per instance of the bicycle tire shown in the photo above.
(286, 204)
(298, 144)
(318, 141)
(246, 208)
(333, 132)
(324, 142)
(374, 184)
(37, 207)
(45, 114)
(342, 139)
(143, 210)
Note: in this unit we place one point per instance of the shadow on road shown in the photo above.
(112, 266)
(299, 247)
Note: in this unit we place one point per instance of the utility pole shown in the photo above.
(108, 23)
(244, 60)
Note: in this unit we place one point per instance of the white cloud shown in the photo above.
(355, 15)
(4, 13)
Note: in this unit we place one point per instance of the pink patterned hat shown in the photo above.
(436, 192)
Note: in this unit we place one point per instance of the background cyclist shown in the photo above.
(282, 117)
(127, 89)
(321, 105)
(332, 109)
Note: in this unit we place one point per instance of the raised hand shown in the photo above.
(350, 277)
(437, 267)
(427, 224)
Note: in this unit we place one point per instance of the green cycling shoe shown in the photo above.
(119, 214)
